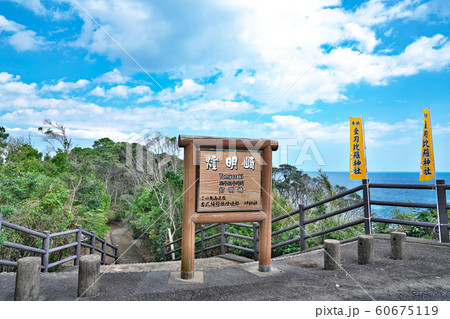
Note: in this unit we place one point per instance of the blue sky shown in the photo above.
(289, 70)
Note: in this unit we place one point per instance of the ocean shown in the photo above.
(392, 195)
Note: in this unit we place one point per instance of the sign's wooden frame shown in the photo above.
(191, 145)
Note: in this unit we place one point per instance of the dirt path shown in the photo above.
(131, 251)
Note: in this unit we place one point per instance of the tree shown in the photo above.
(56, 134)
(3, 137)
(156, 166)
(292, 184)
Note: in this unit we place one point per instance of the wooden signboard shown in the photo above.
(229, 181)
(226, 180)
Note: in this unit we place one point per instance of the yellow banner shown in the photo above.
(427, 169)
(358, 168)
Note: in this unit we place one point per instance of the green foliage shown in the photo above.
(416, 214)
(47, 193)
(3, 138)
(149, 214)
(301, 189)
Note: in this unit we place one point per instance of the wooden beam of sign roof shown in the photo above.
(227, 142)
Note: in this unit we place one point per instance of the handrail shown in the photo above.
(404, 222)
(62, 247)
(337, 196)
(46, 250)
(280, 231)
(8, 263)
(249, 250)
(335, 228)
(402, 186)
(240, 225)
(23, 229)
(238, 236)
(212, 237)
(367, 220)
(296, 211)
(336, 212)
(23, 247)
(402, 204)
(211, 226)
(68, 232)
(59, 262)
(87, 233)
(207, 248)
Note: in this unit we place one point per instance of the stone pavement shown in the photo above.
(424, 275)
(128, 254)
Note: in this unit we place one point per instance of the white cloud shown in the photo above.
(376, 133)
(348, 66)
(9, 26)
(188, 88)
(388, 33)
(11, 88)
(120, 90)
(18, 88)
(124, 91)
(113, 77)
(140, 90)
(98, 91)
(62, 86)
(255, 59)
(21, 39)
(311, 110)
(6, 77)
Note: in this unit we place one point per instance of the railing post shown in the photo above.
(301, 213)
(104, 251)
(92, 250)
(28, 280)
(202, 240)
(46, 247)
(116, 252)
(1, 218)
(164, 251)
(255, 242)
(367, 214)
(78, 247)
(442, 211)
(222, 239)
(88, 275)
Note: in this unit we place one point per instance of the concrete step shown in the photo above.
(217, 262)
(211, 263)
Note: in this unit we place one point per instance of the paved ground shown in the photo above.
(129, 254)
(424, 275)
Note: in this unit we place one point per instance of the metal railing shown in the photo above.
(82, 239)
(367, 219)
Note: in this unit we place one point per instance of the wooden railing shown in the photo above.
(367, 219)
(204, 241)
(82, 239)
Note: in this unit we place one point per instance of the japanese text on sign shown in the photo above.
(358, 169)
(427, 160)
(229, 181)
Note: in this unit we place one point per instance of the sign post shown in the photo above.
(226, 180)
